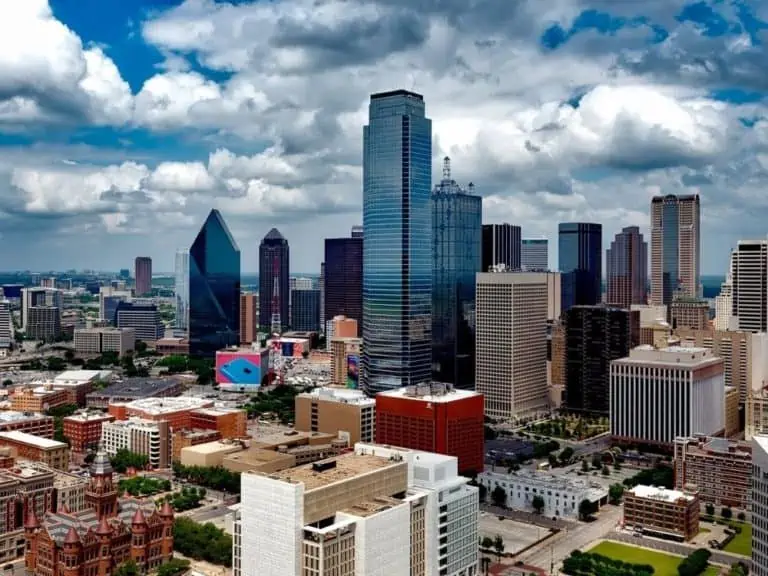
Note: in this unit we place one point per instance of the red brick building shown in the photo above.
(434, 418)
(84, 430)
(95, 541)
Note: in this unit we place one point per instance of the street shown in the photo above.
(560, 546)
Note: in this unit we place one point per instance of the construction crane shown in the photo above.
(276, 363)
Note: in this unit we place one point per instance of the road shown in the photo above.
(560, 546)
(207, 514)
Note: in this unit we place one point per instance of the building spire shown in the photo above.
(447, 168)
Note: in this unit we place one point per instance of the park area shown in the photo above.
(569, 427)
(663, 564)
(742, 541)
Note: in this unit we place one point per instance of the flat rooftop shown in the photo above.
(72, 377)
(32, 440)
(677, 356)
(27, 470)
(133, 422)
(157, 406)
(657, 493)
(341, 395)
(218, 411)
(347, 466)
(433, 394)
(137, 388)
(214, 447)
(12, 416)
(288, 436)
(371, 507)
(89, 417)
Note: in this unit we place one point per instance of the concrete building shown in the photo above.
(49, 452)
(143, 318)
(511, 340)
(724, 303)
(345, 361)
(7, 336)
(99, 340)
(109, 298)
(79, 383)
(675, 248)
(562, 495)
(177, 411)
(68, 492)
(340, 327)
(719, 469)
(143, 275)
(83, 430)
(39, 398)
(760, 505)
(337, 411)
(229, 422)
(172, 346)
(534, 254)
(663, 513)
(152, 439)
(749, 267)
(30, 422)
(38, 297)
(434, 418)
(186, 438)
(378, 510)
(689, 313)
(660, 394)
(249, 317)
(43, 323)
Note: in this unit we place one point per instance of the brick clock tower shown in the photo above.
(101, 494)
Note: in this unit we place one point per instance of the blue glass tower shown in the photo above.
(214, 289)
(580, 247)
(457, 223)
(397, 243)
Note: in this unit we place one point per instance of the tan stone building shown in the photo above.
(337, 411)
(690, 313)
(343, 350)
(49, 452)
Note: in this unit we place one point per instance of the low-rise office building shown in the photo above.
(49, 452)
(561, 495)
(132, 389)
(29, 422)
(229, 422)
(92, 341)
(150, 438)
(660, 512)
(38, 398)
(337, 411)
(177, 411)
(84, 430)
(719, 469)
(194, 437)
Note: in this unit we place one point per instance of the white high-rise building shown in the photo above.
(534, 254)
(512, 309)
(749, 267)
(759, 506)
(181, 289)
(724, 302)
(379, 511)
(39, 297)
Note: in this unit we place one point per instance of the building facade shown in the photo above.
(759, 506)
(249, 317)
(99, 340)
(660, 512)
(343, 278)
(38, 297)
(626, 263)
(511, 327)
(658, 395)
(143, 274)
(397, 247)
(501, 245)
(274, 286)
(152, 439)
(305, 310)
(337, 411)
(43, 323)
(345, 361)
(749, 266)
(456, 258)
(84, 430)
(434, 418)
(214, 289)
(595, 336)
(534, 254)
(691, 313)
(675, 247)
(581, 263)
(52, 453)
(724, 302)
(143, 319)
(181, 289)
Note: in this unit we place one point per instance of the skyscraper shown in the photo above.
(457, 220)
(581, 263)
(501, 245)
(675, 248)
(214, 289)
(534, 254)
(344, 278)
(626, 263)
(181, 289)
(274, 263)
(749, 266)
(143, 274)
(397, 235)
(305, 309)
(724, 300)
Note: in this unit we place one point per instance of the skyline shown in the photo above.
(122, 131)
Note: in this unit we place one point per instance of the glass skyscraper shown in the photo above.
(397, 243)
(580, 247)
(344, 278)
(457, 224)
(274, 263)
(214, 289)
(181, 290)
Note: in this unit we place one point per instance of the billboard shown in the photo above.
(353, 371)
(238, 369)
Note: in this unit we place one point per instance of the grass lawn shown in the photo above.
(742, 543)
(663, 564)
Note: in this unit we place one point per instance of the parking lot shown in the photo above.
(516, 535)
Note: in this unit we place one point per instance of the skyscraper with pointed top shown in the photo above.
(274, 280)
(214, 289)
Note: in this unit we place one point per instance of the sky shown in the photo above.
(122, 123)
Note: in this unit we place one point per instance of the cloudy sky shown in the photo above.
(122, 123)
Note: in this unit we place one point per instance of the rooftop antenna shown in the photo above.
(447, 168)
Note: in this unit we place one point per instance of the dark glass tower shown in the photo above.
(344, 277)
(274, 263)
(626, 263)
(214, 289)
(502, 244)
(595, 335)
(456, 258)
(305, 310)
(581, 264)
(397, 243)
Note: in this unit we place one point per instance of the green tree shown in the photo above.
(498, 546)
(605, 471)
(584, 466)
(615, 493)
(202, 541)
(565, 455)
(140, 346)
(69, 355)
(710, 509)
(7, 382)
(174, 567)
(499, 497)
(125, 459)
(486, 543)
(586, 509)
(726, 513)
(741, 516)
(129, 568)
(538, 504)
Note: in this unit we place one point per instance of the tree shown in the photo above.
(584, 466)
(498, 546)
(7, 382)
(499, 497)
(482, 492)
(565, 455)
(538, 504)
(486, 543)
(615, 492)
(597, 461)
(710, 508)
(174, 567)
(586, 509)
(695, 563)
(125, 459)
(129, 568)
(69, 355)
(605, 471)
(726, 513)
(741, 516)
(141, 346)
(202, 541)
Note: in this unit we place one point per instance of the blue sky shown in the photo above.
(123, 123)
